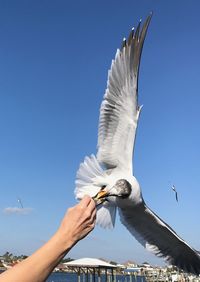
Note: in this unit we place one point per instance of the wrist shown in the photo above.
(65, 241)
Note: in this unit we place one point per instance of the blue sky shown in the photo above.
(54, 59)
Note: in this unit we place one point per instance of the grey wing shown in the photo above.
(158, 237)
(119, 110)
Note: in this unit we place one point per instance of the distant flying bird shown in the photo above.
(176, 194)
(20, 202)
(108, 177)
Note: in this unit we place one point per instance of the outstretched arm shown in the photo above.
(76, 224)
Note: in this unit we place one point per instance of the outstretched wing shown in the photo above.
(158, 237)
(119, 110)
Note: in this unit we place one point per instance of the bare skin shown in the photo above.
(76, 224)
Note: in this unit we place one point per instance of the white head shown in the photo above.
(122, 189)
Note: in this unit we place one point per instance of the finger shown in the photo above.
(94, 214)
(92, 205)
(92, 218)
(85, 201)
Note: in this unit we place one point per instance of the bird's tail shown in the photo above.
(87, 177)
(90, 178)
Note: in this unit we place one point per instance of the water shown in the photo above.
(72, 277)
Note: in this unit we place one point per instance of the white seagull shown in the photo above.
(176, 193)
(108, 176)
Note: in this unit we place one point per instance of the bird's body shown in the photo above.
(176, 193)
(108, 177)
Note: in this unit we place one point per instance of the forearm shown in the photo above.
(39, 265)
(76, 224)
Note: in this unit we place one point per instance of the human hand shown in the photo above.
(78, 221)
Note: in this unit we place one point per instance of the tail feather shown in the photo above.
(89, 179)
(86, 177)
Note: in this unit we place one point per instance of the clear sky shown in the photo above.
(54, 58)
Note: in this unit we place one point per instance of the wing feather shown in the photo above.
(158, 237)
(119, 110)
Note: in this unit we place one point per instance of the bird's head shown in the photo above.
(121, 189)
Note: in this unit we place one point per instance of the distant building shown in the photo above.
(130, 263)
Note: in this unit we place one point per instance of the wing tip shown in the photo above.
(137, 34)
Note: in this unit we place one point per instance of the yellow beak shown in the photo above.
(99, 198)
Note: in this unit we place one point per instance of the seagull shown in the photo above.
(20, 202)
(176, 194)
(108, 176)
